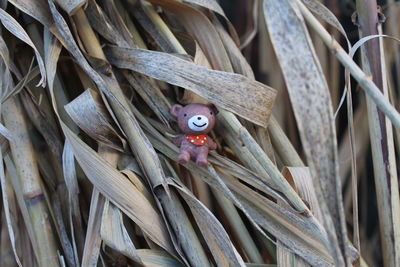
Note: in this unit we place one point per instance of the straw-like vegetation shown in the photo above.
(305, 171)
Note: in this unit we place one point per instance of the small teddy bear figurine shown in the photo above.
(196, 121)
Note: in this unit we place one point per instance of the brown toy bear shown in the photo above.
(196, 121)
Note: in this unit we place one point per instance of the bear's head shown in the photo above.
(195, 118)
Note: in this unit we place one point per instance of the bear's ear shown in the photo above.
(175, 110)
(213, 108)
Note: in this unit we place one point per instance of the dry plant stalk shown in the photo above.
(30, 183)
(381, 135)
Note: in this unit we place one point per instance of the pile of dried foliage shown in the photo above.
(90, 174)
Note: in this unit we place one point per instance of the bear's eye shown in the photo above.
(211, 113)
(184, 115)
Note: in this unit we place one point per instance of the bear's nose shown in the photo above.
(199, 118)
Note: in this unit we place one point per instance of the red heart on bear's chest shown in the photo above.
(198, 140)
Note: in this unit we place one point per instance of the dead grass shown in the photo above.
(90, 175)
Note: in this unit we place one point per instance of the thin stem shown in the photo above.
(363, 79)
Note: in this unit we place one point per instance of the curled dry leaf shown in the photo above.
(96, 121)
(16, 29)
(120, 191)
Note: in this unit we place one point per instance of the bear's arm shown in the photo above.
(211, 144)
(178, 140)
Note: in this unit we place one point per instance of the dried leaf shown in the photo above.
(324, 13)
(102, 24)
(215, 7)
(13, 26)
(291, 229)
(217, 239)
(97, 122)
(300, 179)
(200, 27)
(52, 48)
(249, 99)
(121, 192)
(5, 190)
(91, 250)
(312, 106)
(157, 258)
(71, 181)
(71, 6)
(114, 234)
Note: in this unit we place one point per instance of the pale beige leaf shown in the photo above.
(312, 106)
(300, 179)
(215, 6)
(120, 191)
(71, 6)
(91, 249)
(157, 258)
(296, 232)
(16, 29)
(217, 239)
(325, 14)
(114, 233)
(247, 98)
(102, 24)
(5, 192)
(96, 122)
(37, 9)
(52, 48)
